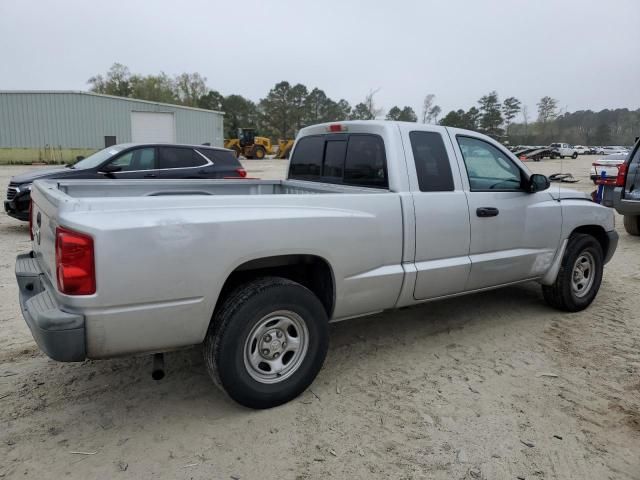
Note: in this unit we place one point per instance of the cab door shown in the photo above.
(514, 233)
(442, 233)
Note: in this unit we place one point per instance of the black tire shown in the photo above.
(632, 224)
(553, 156)
(575, 155)
(562, 157)
(259, 152)
(234, 322)
(561, 295)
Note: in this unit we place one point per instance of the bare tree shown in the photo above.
(433, 114)
(525, 119)
(426, 107)
(371, 105)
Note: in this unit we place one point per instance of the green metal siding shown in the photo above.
(82, 120)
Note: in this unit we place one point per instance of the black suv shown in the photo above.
(626, 194)
(131, 160)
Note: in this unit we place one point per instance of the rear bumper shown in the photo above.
(59, 334)
(623, 206)
(613, 245)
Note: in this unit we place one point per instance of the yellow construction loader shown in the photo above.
(250, 146)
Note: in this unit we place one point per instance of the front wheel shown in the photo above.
(267, 342)
(575, 155)
(580, 275)
(632, 224)
(259, 152)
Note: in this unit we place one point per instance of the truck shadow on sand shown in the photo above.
(110, 391)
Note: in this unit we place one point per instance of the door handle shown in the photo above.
(150, 175)
(487, 212)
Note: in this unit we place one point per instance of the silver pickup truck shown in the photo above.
(373, 216)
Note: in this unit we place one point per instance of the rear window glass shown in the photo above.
(334, 158)
(351, 159)
(365, 163)
(432, 163)
(220, 158)
(307, 158)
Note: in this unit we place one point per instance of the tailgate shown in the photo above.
(43, 229)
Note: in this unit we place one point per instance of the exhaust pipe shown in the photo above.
(157, 372)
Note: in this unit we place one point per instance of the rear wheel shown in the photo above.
(632, 224)
(580, 275)
(267, 342)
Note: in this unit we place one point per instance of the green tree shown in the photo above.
(116, 82)
(190, 87)
(472, 119)
(602, 134)
(403, 115)
(211, 101)
(156, 88)
(277, 112)
(361, 112)
(547, 109)
(455, 118)
(297, 100)
(239, 112)
(491, 117)
(510, 108)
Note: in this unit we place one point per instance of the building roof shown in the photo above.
(92, 94)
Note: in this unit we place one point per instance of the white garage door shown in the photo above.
(152, 127)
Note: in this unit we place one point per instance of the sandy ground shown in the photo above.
(448, 390)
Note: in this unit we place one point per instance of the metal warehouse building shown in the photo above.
(58, 126)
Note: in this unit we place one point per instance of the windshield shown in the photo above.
(98, 157)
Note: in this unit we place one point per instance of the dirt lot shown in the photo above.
(448, 390)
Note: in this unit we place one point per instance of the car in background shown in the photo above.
(130, 161)
(609, 165)
(564, 150)
(626, 194)
(612, 150)
(582, 150)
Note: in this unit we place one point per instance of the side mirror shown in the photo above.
(538, 183)
(110, 168)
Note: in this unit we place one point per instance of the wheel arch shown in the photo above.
(596, 231)
(312, 271)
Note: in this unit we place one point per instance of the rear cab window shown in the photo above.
(356, 159)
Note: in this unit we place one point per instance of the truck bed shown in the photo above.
(151, 188)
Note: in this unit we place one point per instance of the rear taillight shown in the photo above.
(241, 172)
(75, 268)
(621, 179)
(31, 219)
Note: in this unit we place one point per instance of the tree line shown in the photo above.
(286, 108)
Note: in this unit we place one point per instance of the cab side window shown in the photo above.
(432, 162)
(488, 168)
